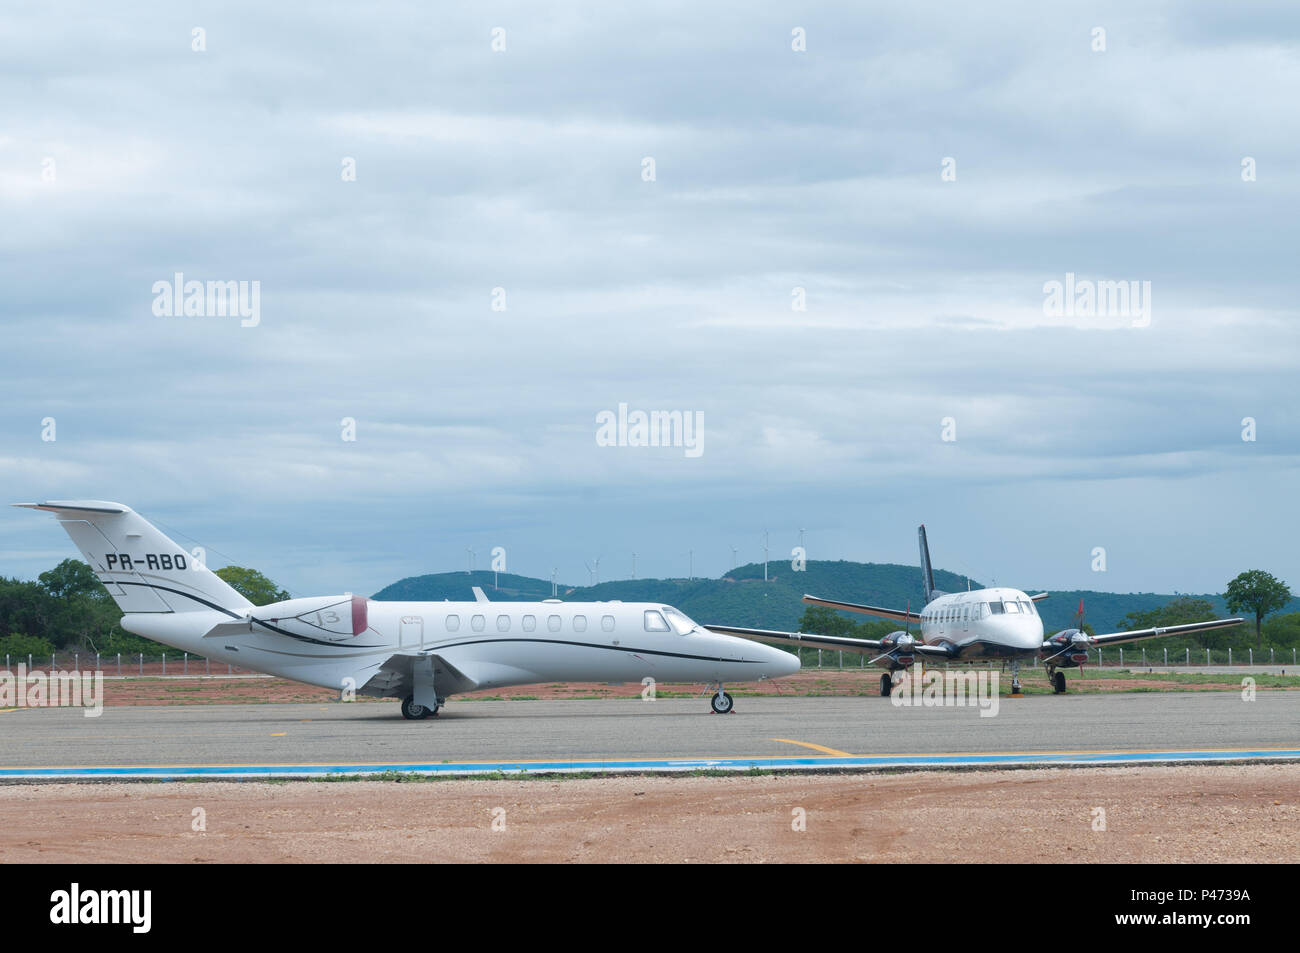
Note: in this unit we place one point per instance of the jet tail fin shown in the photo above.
(927, 574)
(142, 569)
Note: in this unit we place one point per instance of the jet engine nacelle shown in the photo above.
(332, 618)
(898, 651)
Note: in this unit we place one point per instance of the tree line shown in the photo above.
(67, 609)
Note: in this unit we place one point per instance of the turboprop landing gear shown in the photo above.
(886, 685)
(413, 712)
(1058, 682)
(721, 703)
(1016, 687)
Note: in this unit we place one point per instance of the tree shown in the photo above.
(252, 585)
(1258, 592)
(1179, 611)
(71, 578)
(1283, 630)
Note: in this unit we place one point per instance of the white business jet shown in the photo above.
(996, 624)
(420, 652)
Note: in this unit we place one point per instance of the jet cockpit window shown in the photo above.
(654, 621)
(995, 608)
(1011, 605)
(679, 622)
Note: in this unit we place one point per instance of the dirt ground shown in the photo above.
(1164, 814)
(253, 689)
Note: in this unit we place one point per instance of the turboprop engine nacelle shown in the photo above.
(332, 618)
(898, 652)
(1068, 647)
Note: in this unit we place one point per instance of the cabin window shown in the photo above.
(478, 623)
(607, 623)
(579, 623)
(529, 623)
(503, 623)
(965, 615)
(453, 623)
(553, 623)
(655, 622)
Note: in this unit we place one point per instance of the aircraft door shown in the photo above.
(412, 632)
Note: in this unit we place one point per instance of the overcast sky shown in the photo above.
(127, 156)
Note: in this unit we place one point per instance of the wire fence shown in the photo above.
(170, 664)
(183, 664)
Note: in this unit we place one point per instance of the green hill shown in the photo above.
(742, 597)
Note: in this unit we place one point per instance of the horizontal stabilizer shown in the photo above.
(898, 615)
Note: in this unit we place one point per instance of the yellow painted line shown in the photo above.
(3, 710)
(278, 734)
(821, 748)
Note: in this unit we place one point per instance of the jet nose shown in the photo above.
(783, 663)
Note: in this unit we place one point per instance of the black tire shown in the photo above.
(1058, 683)
(886, 685)
(721, 704)
(413, 712)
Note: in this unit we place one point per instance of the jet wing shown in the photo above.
(898, 615)
(811, 641)
(393, 677)
(1116, 638)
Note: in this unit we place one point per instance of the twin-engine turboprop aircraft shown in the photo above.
(987, 624)
(420, 652)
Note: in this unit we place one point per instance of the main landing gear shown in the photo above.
(413, 712)
(721, 703)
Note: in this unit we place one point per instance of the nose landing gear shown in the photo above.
(1017, 690)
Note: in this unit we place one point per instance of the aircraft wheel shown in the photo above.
(413, 712)
(1058, 683)
(886, 685)
(721, 703)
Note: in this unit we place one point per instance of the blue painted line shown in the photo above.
(162, 772)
